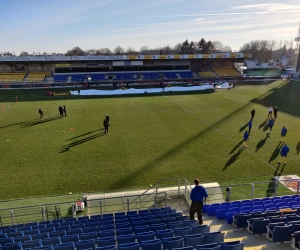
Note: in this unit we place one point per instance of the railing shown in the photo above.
(155, 196)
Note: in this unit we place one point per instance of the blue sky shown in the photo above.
(59, 25)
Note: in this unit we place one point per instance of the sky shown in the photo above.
(59, 25)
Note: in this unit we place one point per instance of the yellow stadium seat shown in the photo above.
(226, 71)
(12, 77)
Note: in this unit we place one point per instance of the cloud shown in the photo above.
(269, 7)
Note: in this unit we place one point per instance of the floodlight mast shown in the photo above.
(297, 51)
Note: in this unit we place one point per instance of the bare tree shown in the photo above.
(144, 47)
(131, 51)
(119, 50)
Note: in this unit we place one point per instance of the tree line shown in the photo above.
(261, 50)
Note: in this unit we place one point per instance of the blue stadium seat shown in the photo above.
(45, 222)
(129, 246)
(69, 238)
(241, 220)
(39, 236)
(106, 233)
(88, 236)
(14, 234)
(123, 239)
(106, 248)
(190, 223)
(57, 234)
(123, 225)
(214, 237)
(138, 223)
(51, 241)
(141, 229)
(145, 236)
(280, 234)
(119, 213)
(194, 240)
(151, 244)
(24, 228)
(153, 221)
(229, 246)
(90, 229)
(183, 248)
(160, 234)
(201, 229)
(221, 213)
(124, 231)
(107, 227)
(183, 231)
(212, 246)
(31, 244)
(21, 238)
(76, 226)
(11, 246)
(64, 246)
(74, 231)
(44, 248)
(5, 241)
(173, 225)
(172, 242)
(85, 244)
(106, 241)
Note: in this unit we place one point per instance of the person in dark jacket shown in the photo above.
(275, 111)
(65, 111)
(105, 125)
(250, 126)
(271, 124)
(283, 153)
(41, 113)
(198, 195)
(283, 133)
(252, 114)
(107, 118)
(61, 111)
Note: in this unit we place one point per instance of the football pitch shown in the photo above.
(151, 137)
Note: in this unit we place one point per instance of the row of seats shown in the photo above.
(37, 76)
(226, 71)
(213, 240)
(12, 77)
(206, 73)
(255, 205)
(262, 73)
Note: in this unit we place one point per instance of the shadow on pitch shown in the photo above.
(80, 141)
(272, 183)
(84, 134)
(143, 171)
(261, 143)
(298, 147)
(244, 127)
(276, 152)
(20, 123)
(40, 121)
(233, 158)
(236, 147)
(263, 124)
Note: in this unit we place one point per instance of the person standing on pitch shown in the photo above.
(271, 124)
(275, 111)
(105, 125)
(41, 113)
(246, 138)
(252, 114)
(283, 153)
(270, 111)
(198, 195)
(61, 111)
(65, 111)
(107, 118)
(250, 126)
(283, 133)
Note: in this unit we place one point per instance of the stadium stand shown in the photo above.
(206, 74)
(37, 76)
(60, 78)
(263, 73)
(226, 71)
(277, 218)
(12, 77)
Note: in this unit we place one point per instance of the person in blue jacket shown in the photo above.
(283, 134)
(250, 126)
(283, 153)
(198, 195)
(246, 138)
(271, 124)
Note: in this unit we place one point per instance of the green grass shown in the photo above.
(151, 137)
